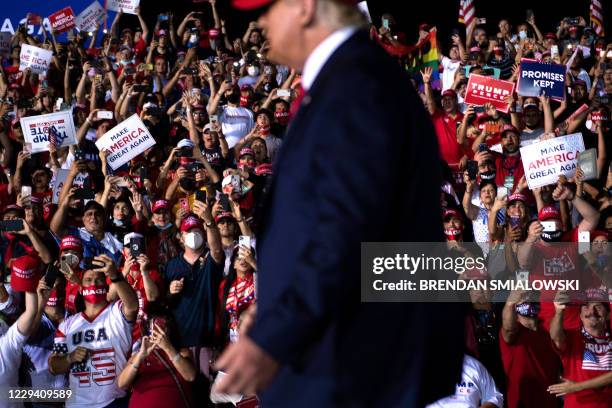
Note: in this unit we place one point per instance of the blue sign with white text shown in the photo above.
(537, 78)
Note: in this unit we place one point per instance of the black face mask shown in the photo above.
(187, 184)
(551, 236)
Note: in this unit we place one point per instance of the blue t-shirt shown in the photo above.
(194, 308)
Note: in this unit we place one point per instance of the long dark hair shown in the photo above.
(229, 282)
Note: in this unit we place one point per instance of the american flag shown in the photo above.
(467, 13)
(597, 356)
(596, 13)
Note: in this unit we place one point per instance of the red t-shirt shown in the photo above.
(507, 166)
(46, 197)
(531, 365)
(72, 290)
(584, 358)
(446, 131)
(552, 262)
(154, 386)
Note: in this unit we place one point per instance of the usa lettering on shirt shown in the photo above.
(108, 339)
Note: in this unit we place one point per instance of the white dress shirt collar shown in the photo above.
(319, 56)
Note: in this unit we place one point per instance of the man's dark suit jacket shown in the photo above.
(359, 163)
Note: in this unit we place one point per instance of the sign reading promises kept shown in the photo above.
(536, 78)
(482, 89)
(125, 141)
(545, 161)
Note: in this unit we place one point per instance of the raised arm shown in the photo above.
(470, 209)
(213, 237)
(431, 104)
(557, 334)
(143, 25)
(124, 290)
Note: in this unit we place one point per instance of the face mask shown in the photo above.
(253, 71)
(165, 227)
(94, 294)
(282, 117)
(452, 234)
(522, 34)
(488, 175)
(552, 236)
(528, 309)
(194, 240)
(590, 125)
(187, 184)
(264, 130)
(244, 101)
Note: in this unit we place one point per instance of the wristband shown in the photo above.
(135, 366)
(210, 224)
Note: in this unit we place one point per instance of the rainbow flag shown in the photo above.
(424, 55)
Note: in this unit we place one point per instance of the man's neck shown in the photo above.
(529, 323)
(481, 306)
(97, 234)
(191, 256)
(513, 154)
(227, 242)
(92, 310)
(596, 332)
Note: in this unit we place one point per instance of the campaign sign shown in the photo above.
(125, 141)
(537, 78)
(36, 130)
(128, 6)
(483, 89)
(62, 20)
(34, 58)
(90, 18)
(5, 45)
(545, 161)
(60, 179)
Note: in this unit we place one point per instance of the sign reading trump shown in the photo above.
(483, 89)
(125, 141)
(537, 78)
(545, 161)
(36, 130)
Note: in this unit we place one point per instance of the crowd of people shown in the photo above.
(124, 285)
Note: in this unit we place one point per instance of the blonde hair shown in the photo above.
(338, 14)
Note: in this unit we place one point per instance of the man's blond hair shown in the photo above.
(337, 14)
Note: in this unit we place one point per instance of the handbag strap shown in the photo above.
(174, 377)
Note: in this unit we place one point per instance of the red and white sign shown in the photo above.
(484, 89)
(62, 20)
(545, 161)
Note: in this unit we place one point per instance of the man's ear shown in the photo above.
(307, 12)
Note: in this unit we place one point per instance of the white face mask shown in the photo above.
(194, 240)
(253, 71)
(522, 34)
(590, 125)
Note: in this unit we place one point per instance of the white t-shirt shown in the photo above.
(475, 388)
(236, 123)
(109, 339)
(11, 344)
(448, 75)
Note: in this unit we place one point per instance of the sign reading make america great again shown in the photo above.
(125, 141)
